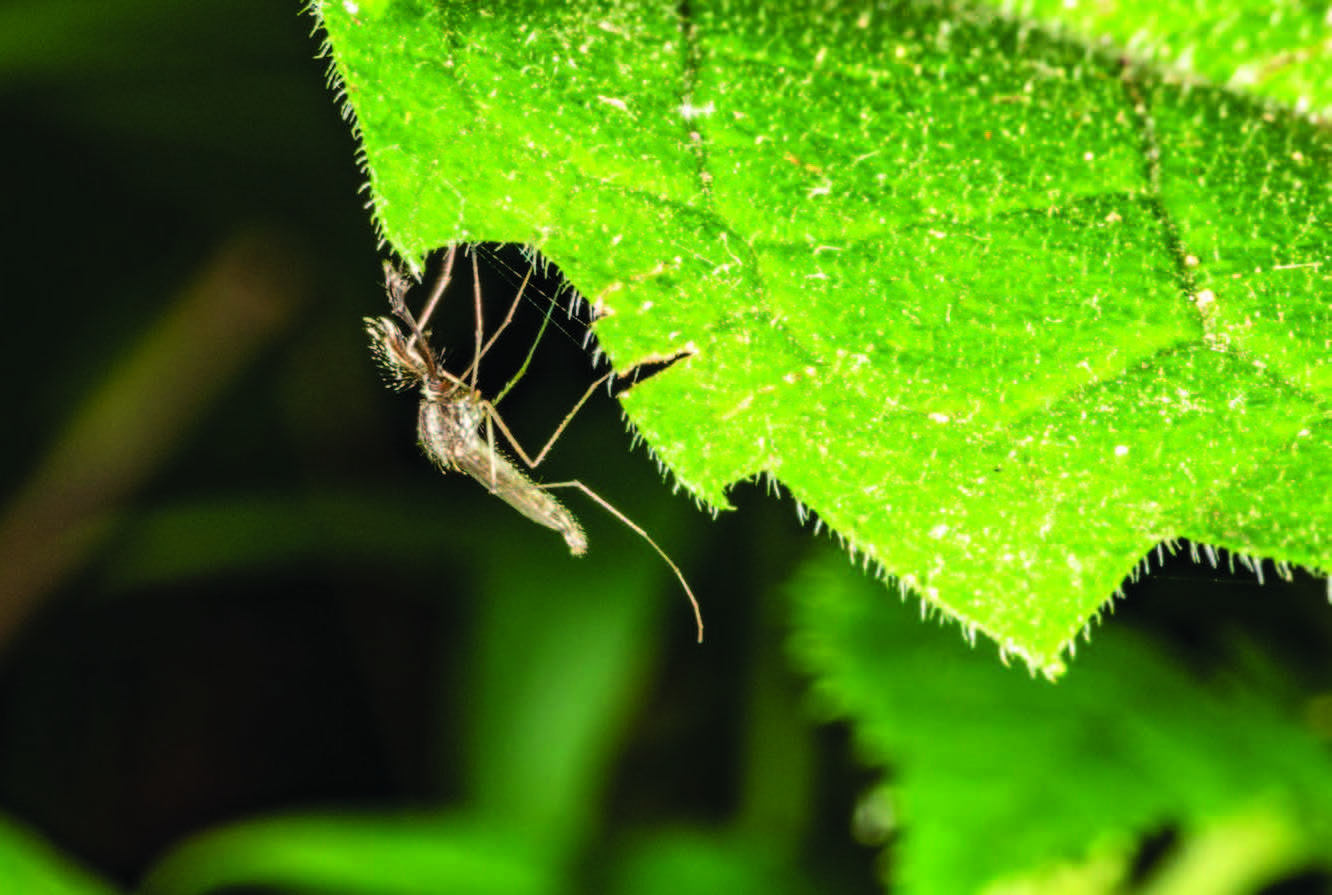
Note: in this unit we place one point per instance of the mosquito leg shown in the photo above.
(493, 414)
(493, 419)
(693, 601)
(470, 373)
(545, 321)
(508, 318)
(445, 276)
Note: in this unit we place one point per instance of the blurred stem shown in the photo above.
(779, 761)
(560, 664)
(133, 417)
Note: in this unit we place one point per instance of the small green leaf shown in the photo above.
(1004, 310)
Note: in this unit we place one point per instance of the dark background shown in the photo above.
(232, 584)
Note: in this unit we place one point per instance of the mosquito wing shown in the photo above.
(501, 478)
(450, 434)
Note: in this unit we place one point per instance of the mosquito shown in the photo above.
(456, 424)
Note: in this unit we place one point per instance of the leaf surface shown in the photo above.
(1005, 311)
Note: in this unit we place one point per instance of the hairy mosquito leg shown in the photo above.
(493, 414)
(508, 318)
(452, 412)
(473, 370)
(494, 421)
(605, 505)
(445, 277)
(474, 367)
(522, 371)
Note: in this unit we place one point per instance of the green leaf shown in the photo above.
(997, 775)
(1278, 51)
(681, 861)
(31, 866)
(379, 855)
(1003, 311)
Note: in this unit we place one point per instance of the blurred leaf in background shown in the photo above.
(1137, 741)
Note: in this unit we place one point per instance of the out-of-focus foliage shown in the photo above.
(1134, 742)
(31, 866)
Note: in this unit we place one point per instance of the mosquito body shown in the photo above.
(452, 418)
(456, 424)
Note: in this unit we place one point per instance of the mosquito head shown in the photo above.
(404, 363)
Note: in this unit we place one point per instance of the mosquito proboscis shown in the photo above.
(456, 424)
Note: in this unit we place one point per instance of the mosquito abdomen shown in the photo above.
(501, 478)
(452, 438)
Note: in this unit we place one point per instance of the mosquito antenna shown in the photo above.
(693, 601)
